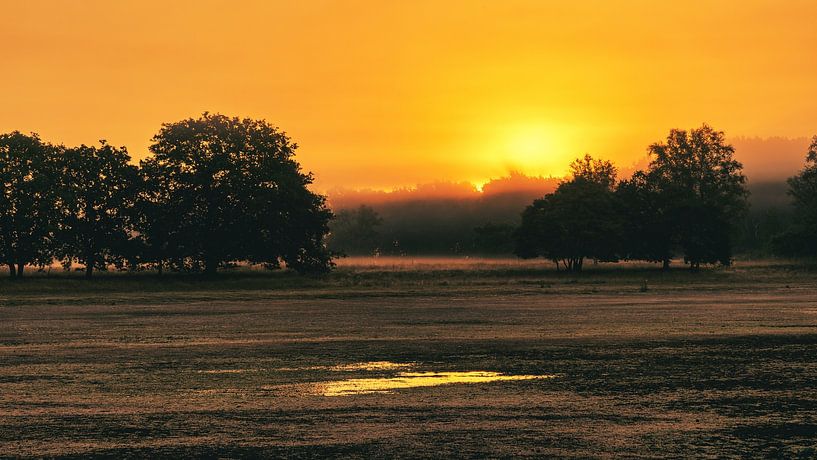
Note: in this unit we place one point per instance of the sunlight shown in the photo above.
(534, 148)
(479, 183)
(526, 143)
(405, 380)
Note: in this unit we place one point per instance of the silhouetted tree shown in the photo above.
(577, 221)
(760, 229)
(354, 231)
(801, 238)
(648, 229)
(771, 213)
(28, 211)
(540, 231)
(494, 239)
(601, 172)
(701, 195)
(97, 189)
(160, 242)
(235, 193)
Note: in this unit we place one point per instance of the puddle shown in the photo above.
(226, 371)
(218, 391)
(364, 366)
(371, 366)
(405, 380)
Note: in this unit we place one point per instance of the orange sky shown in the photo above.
(391, 93)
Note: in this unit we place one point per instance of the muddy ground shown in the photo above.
(717, 363)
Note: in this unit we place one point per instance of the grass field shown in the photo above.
(427, 358)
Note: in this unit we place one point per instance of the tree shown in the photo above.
(27, 203)
(599, 171)
(494, 238)
(648, 230)
(355, 230)
(801, 238)
(577, 221)
(232, 191)
(698, 193)
(97, 186)
(154, 215)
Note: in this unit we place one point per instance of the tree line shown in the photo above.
(690, 202)
(216, 191)
(801, 237)
(430, 226)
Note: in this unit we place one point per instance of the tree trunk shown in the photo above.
(20, 268)
(90, 260)
(12, 271)
(210, 266)
(160, 266)
(665, 265)
(90, 247)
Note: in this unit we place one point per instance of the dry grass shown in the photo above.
(719, 363)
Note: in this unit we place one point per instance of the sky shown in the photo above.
(385, 94)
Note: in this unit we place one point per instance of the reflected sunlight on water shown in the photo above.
(371, 366)
(402, 379)
(225, 371)
(412, 380)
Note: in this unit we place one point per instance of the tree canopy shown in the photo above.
(688, 201)
(97, 192)
(648, 227)
(577, 221)
(216, 191)
(236, 194)
(597, 171)
(702, 193)
(801, 238)
(354, 231)
(28, 202)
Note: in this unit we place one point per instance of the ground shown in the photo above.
(617, 361)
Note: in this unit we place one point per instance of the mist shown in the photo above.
(445, 218)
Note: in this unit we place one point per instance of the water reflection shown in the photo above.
(225, 371)
(371, 366)
(404, 380)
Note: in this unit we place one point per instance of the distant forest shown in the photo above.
(437, 219)
(483, 224)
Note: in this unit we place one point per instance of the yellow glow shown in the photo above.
(370, 366)
(534, 149)
(479, 183)
(387, 94)
(405, 380)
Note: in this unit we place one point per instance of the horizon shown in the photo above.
(789, 156)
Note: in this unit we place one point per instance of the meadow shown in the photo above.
(413, 357)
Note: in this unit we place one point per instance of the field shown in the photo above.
(428, 359)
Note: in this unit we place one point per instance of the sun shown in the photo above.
(534, 148)
(525, 144)
(531, 146)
